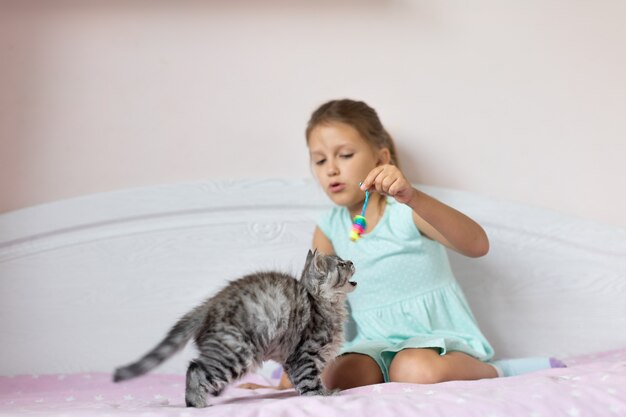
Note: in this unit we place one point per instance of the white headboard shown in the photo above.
(90, 283)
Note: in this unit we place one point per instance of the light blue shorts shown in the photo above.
(383, 352)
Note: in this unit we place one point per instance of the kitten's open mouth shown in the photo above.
(353, 283)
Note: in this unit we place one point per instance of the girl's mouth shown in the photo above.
(336, 187)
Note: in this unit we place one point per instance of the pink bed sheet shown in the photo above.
(592, 385)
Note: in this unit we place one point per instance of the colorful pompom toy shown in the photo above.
(359, 224)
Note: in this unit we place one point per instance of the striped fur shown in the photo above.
(262, 316)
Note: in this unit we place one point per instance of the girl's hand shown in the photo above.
(389, 180)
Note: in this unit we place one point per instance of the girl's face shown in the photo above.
(341, 159)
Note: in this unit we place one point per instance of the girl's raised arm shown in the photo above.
(321, 242)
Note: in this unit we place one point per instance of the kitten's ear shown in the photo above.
(319, 262)
(309, 259)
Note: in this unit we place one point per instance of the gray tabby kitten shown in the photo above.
(262, 316)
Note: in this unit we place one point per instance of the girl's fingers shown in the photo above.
(382, 178)
(379, 182)
(395, 187)
(386, 183)
(388, 180)
(369, 180)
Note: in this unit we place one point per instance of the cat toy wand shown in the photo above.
(359, 223)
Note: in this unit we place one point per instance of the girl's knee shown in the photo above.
(418, 367)
(331, 378)
(350, 371)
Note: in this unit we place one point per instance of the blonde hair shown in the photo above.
(360, 116)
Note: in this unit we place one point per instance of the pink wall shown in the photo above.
(518, 101)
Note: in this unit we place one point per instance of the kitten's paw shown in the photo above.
(313, 392)
(196, 403)
(324, 392)
(196, 400)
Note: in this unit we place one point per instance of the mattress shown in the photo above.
(591, 385)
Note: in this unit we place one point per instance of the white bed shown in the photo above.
(87, 284)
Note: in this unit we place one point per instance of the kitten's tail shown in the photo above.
(175, 340)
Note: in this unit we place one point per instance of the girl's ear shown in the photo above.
(384, 156)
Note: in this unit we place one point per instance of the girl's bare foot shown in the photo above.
(251, 385)
(284, 383)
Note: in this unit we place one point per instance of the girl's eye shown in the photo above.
(347, 155)
(320, 162)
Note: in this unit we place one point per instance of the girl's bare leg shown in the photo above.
(427, 366)
(352, 370)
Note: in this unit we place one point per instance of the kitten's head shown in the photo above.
(327, 274)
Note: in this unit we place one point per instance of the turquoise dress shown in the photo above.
(407, 296)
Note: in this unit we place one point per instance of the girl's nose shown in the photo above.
(331, 169)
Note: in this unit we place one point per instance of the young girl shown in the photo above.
(413, 323)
